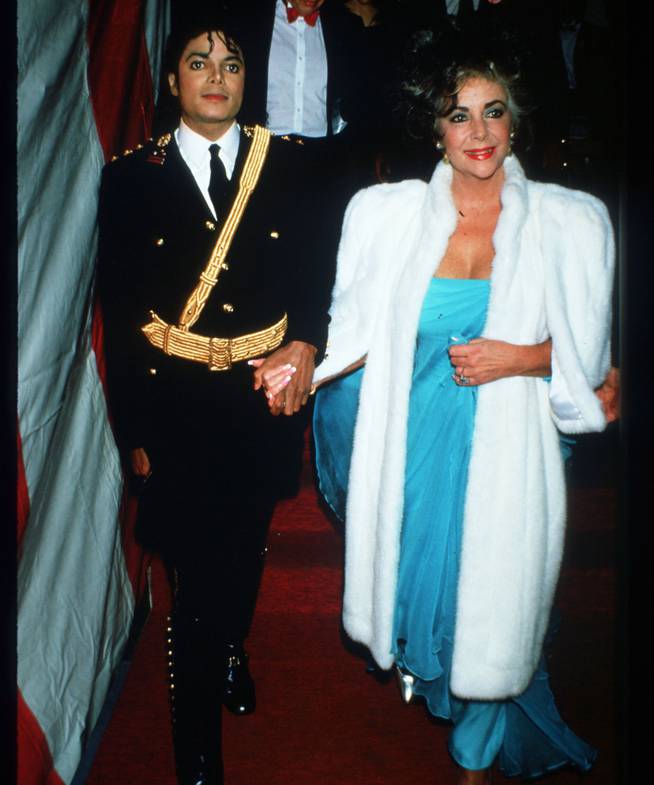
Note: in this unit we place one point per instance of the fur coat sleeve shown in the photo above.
(550, 277)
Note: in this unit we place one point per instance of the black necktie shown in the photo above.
(218, 181)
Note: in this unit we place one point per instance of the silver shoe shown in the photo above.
(405, 681)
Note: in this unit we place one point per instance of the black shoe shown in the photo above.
(238, 689)
(196, 711)
(198, 772)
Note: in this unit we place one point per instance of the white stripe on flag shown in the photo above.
(74, 596)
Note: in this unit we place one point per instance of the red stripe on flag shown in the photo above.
(97, 342)
(35, 765)
(22, 493)
(119, 75)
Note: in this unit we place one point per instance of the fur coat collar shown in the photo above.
(551, 276)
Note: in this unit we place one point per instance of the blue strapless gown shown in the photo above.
(526, 735)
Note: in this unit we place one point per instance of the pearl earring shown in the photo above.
(439, 146)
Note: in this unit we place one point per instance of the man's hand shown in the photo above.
(481, 361)
(140, 463)
(286, 376)
(609, 395)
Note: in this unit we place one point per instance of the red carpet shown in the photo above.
(321, 719)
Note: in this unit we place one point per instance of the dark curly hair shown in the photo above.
(200, 23)
(438, 63)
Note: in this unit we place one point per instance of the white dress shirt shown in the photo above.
(453, 6)
(297, 77)
(194, 149)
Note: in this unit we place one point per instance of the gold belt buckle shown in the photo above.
(220, 354)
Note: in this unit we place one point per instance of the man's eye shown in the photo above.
(233, 68)
(196, 65)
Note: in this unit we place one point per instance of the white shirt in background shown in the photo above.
(297, 77)
(453, 6)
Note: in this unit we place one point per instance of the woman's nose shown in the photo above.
(478, 128)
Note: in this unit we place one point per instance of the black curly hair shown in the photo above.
(196, 24)
(437, 64)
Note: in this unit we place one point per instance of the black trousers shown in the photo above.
(219, 583)
(220, 461)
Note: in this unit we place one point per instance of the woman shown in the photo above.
(480, 305)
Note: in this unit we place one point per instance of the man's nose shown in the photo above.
(215, 75)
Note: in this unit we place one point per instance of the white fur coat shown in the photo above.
(552, 276)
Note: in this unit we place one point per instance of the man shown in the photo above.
(211, 256)
(301, 64)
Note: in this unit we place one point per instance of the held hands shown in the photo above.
(481, 361)
(285, 376)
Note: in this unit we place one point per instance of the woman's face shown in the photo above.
(476, 134)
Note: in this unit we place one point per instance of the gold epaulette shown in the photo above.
(129, 151)
(248, 130)
(289, 138)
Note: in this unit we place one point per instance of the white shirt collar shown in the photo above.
(195, 147)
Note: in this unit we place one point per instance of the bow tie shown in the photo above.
(310, 19)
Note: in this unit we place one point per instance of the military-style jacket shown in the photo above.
(156, 235)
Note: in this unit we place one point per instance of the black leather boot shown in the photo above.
(195, 704)
(238, 686)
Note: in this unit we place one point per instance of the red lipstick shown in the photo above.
(481, 154)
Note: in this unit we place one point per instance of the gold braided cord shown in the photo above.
(249, 178)
(217, 353)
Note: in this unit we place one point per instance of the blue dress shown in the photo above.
(525, 735)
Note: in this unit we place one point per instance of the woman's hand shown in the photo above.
(274, 378)
(289, 391)
(481, 361)
(609, 395)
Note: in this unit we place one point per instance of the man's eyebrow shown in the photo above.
(196, 54)
(205, 55)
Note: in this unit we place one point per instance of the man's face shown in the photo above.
(209, 83)
(305, 7)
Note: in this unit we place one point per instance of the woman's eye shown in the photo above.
(458, 118)
(495, 113)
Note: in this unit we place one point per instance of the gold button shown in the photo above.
(152, 371)
(224, 266)
(210, 225)
(274, 235)
(228, 308)
(159, 241)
